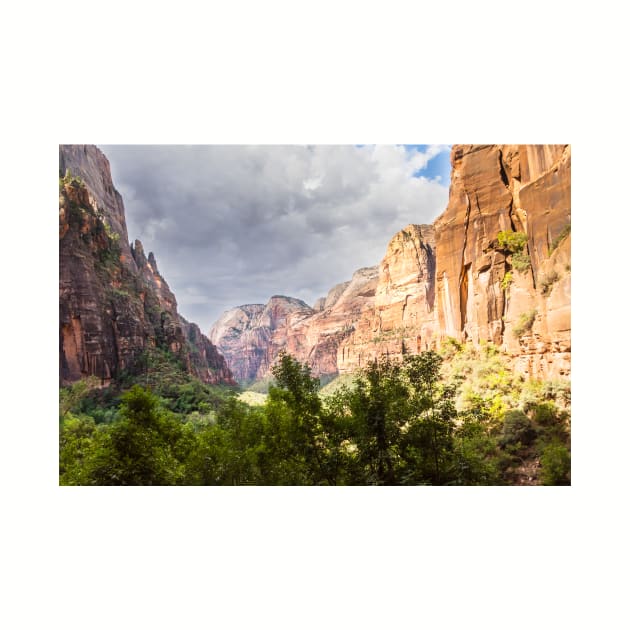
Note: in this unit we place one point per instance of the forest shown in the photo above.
(458, 417)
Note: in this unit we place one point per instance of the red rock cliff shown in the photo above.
(519, 300)
(401, 318)
(113, 303)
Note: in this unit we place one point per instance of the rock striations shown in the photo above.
(113, 302)
(516, 297)
(251, 336)
(401, 319)
(495, 266)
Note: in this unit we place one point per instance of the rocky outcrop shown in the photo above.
(316, 340)
(113, 303)
(494, 267)
(90, 165)
(319, 304)
(401, 318)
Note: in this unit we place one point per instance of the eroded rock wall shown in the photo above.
(401, 318)
(481, 294)
(113, 302)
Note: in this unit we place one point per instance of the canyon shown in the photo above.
(114, 305)
(494, 267)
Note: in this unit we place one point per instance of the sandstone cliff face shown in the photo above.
(401, 318)
(455, 278)
(113, 303)
(251, 336)
(91, 165)
(316, 340)
(481, 295)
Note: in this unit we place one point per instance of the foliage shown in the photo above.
(141, 448)
(75, 214)
(261, 386)
(555, 463)
(524, 323)
(71, 397)
(294, 404)
(69, 180)
(477, 459)
(507, 280)
(75, 443)
(416, 421)
(521, 261)
(517, 428)
(450, 347)
(546, 281)
(514, 243)
(395, 334)
(252, 398)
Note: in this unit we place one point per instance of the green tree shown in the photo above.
(429, 438)
(71, 397)
(476, 456)
(294, 431)
(140, 448)
(555, 463)
(379, 409)
(76, 442)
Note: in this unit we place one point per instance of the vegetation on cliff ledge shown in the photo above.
(460, 418)
(514, 244)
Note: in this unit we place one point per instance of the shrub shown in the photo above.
(507, 280)
(524, 323)
(558, 390)
(555, 463)
(517, 427)
(547, 281)
(546, 414)
(521, 261)
(450, 347)
(68, 178)
(512, 241)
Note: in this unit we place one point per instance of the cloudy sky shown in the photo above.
(233, 225)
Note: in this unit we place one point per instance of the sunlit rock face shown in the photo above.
(508, 188)
(113, 302)
(401, 319)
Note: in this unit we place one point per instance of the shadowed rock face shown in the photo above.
(113, 303)
(449, 279)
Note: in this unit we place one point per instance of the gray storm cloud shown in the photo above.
(232, 225)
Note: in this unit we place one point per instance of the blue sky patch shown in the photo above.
(439, 166)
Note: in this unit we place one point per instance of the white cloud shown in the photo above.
(235, 224)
